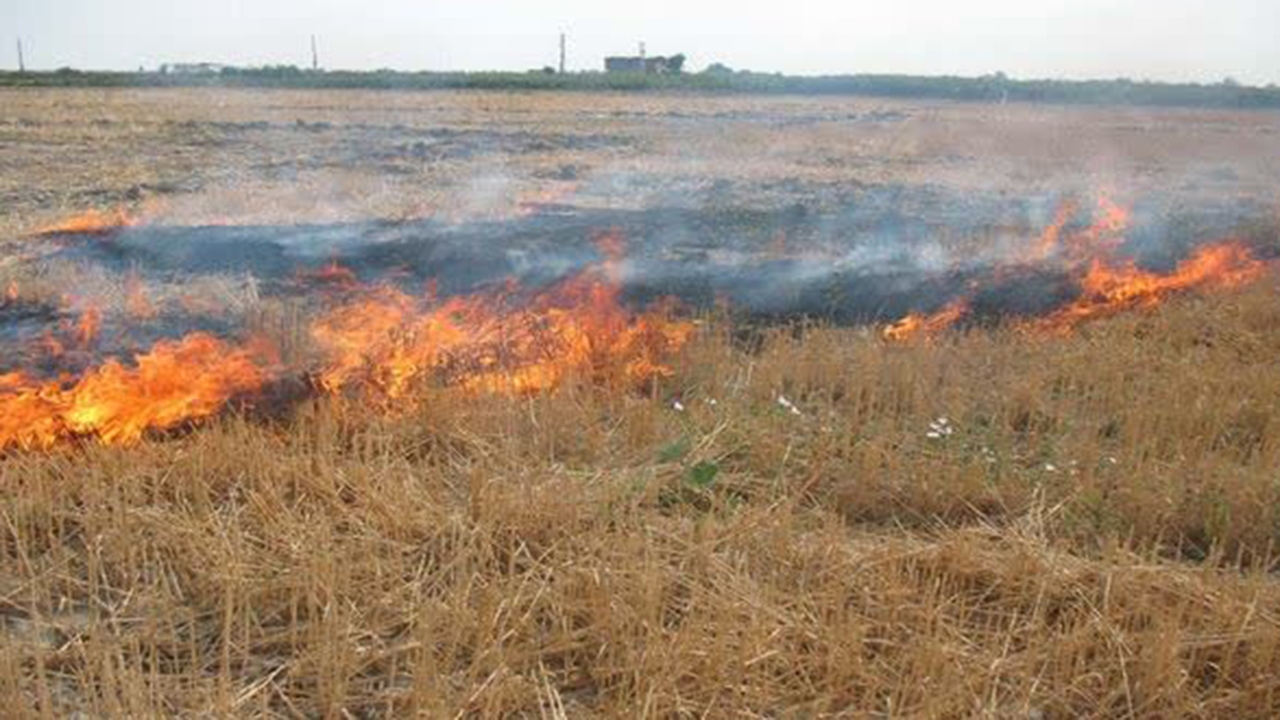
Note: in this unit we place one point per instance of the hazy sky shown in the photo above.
(1203, 40)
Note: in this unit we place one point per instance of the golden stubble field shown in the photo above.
(797, 522)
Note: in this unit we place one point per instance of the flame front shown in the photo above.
(389, 341)
(90, 222)
(1107, 289)
(382, 343)
(176, 383)
(919, 324)
(1107, 285)
(376, 341)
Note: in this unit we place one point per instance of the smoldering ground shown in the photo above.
(886, 252)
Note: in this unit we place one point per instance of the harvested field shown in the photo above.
(513, 405)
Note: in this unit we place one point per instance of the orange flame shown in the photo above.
(173, 384)
(1103, 235)
(921, 325)
(1111, 288)
(1050, 239)
(1107, 286)
(90, 222)
(379, 340)
(390, 342)
(11, 292)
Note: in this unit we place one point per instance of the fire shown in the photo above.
(11, 293)
(1103, 235)
(1049, 241)
(499, 341)
(389, 341)
(1107, 284)
(1109, 288)
(382, 343)
(176, 383)
(919, 324)
(352, 335)
(375, 341)
(90, 222)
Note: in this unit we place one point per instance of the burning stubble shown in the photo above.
(377, 340)
(372, 340)
(1107, 282)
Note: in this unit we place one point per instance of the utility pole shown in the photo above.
(562, 48)
(315, 55)
(22, 62)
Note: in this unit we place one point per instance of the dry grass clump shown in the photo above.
(810, 524)
(76, 286)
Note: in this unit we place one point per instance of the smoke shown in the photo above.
(885, 252)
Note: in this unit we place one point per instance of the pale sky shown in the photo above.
(1197, 40)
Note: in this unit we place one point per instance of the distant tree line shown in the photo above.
(716, 79)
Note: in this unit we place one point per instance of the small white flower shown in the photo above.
(785, 403)
(1112, 460)
(712, 402)
(933, 435)
(1051, 467)
(678, 406)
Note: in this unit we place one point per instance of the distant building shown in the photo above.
(635, 64)
(646, 65)
(191, 68)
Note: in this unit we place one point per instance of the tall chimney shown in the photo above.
(22, 63)
(562, 47)
(315, 56)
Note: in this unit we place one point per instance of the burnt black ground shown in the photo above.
(887, 253)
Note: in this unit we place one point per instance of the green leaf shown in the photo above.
(675, 451)
(703, 474)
